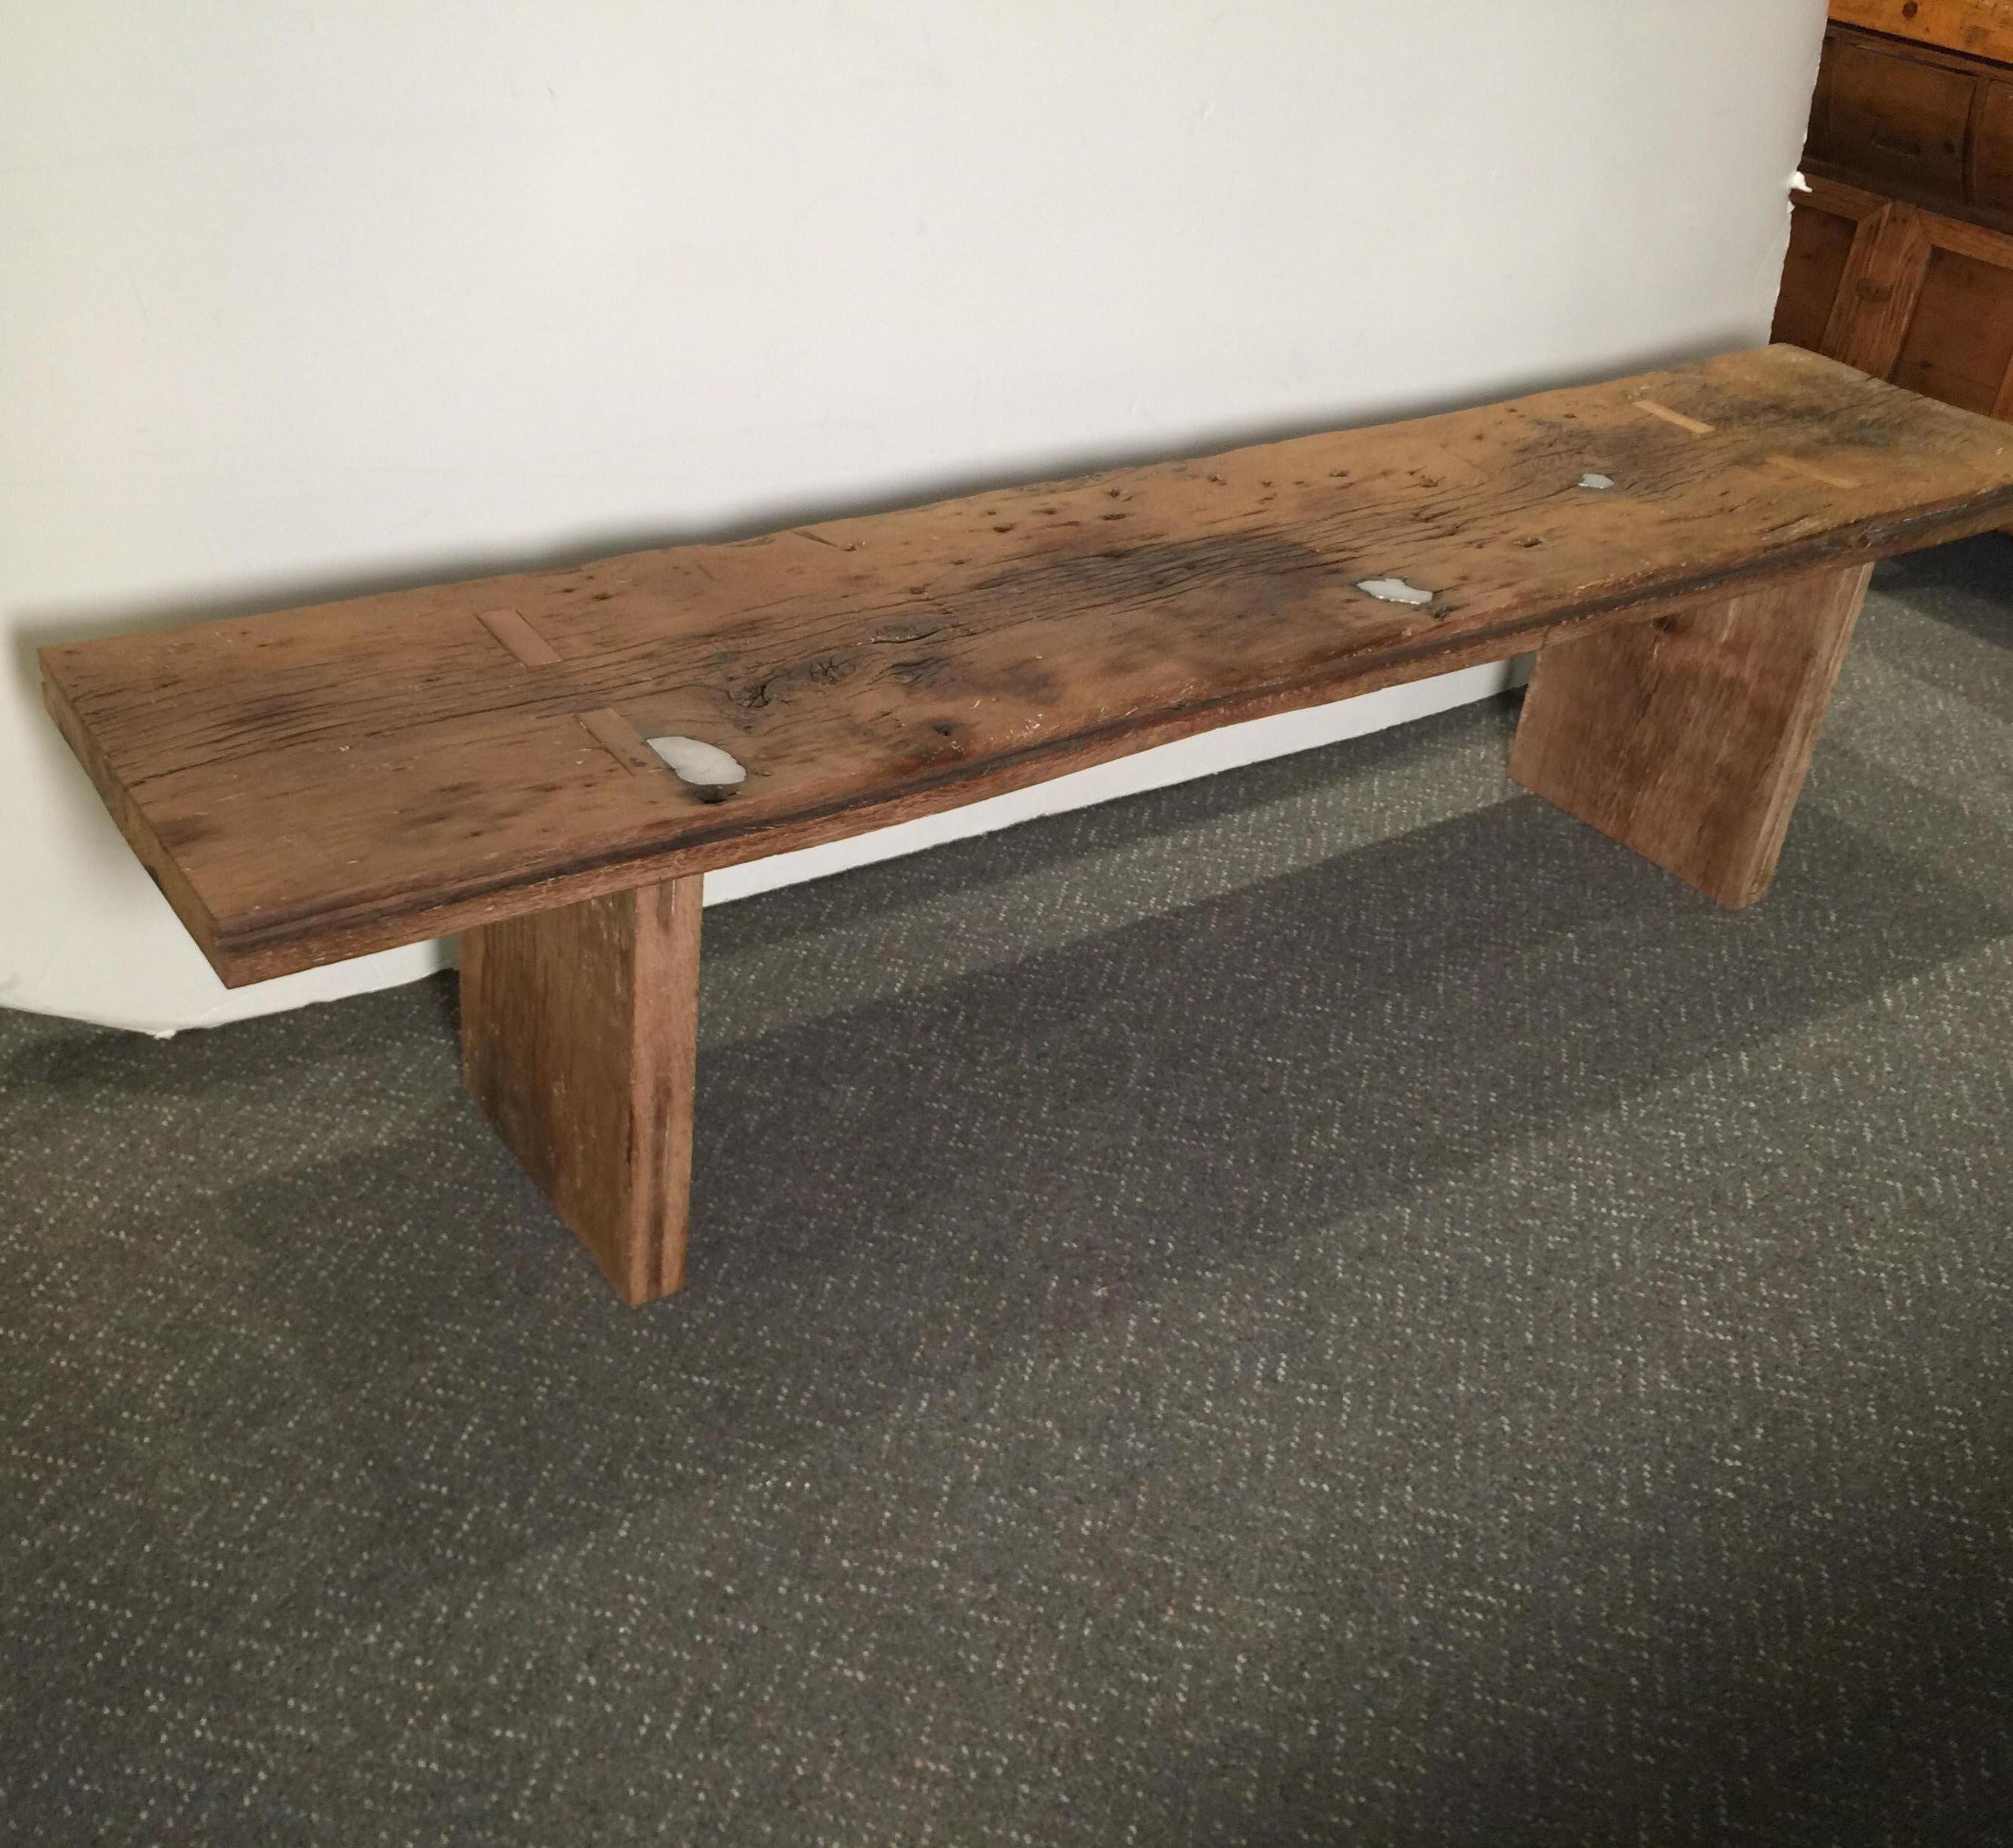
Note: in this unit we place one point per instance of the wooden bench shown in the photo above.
(1687, 549)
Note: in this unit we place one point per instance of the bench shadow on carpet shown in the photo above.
(902, 1196)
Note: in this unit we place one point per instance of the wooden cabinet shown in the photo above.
(1919, 123)
(1901, 257)
(1905, 295)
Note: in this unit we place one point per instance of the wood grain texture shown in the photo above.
(1914, 123)
(1989, 181)
(1835, 231)
(524, 643)
(1688, 738)
(319, 783)
(1966, 238)
(1939, 320)
(1821, 245)
(1893, 114)
(1958, 343)
(1883, 286)
(1980, 28)
(579, 1032)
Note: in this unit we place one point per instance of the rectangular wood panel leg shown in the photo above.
(579, 1028)
(1687, 737)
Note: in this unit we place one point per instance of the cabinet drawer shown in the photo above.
(1893, 117)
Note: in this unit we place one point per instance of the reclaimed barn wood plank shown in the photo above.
(580, 1026)
(1687, 737)
(315, 784)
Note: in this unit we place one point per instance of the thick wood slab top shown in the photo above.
(314, 784)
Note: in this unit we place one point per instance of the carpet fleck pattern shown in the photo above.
(1328, 1304)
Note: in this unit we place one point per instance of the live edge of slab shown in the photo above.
(315, 784)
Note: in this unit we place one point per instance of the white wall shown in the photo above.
(300, 300)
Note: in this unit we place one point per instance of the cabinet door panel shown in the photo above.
(1894, 118)
(1820, 244)
(1835, 238)
(1958, 345)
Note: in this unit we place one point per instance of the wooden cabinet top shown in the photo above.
(1979, 28)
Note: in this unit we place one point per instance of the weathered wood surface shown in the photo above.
(1688, 737)
(318, 782)
(1916, 124)
(1834, 230)
(1980, 28)
(579, 1028)
(1905, 295)
(1895, 115)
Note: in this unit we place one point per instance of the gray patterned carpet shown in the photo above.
(1329, 1305)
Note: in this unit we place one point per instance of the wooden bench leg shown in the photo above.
(1687, 737)
(578, 1031)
